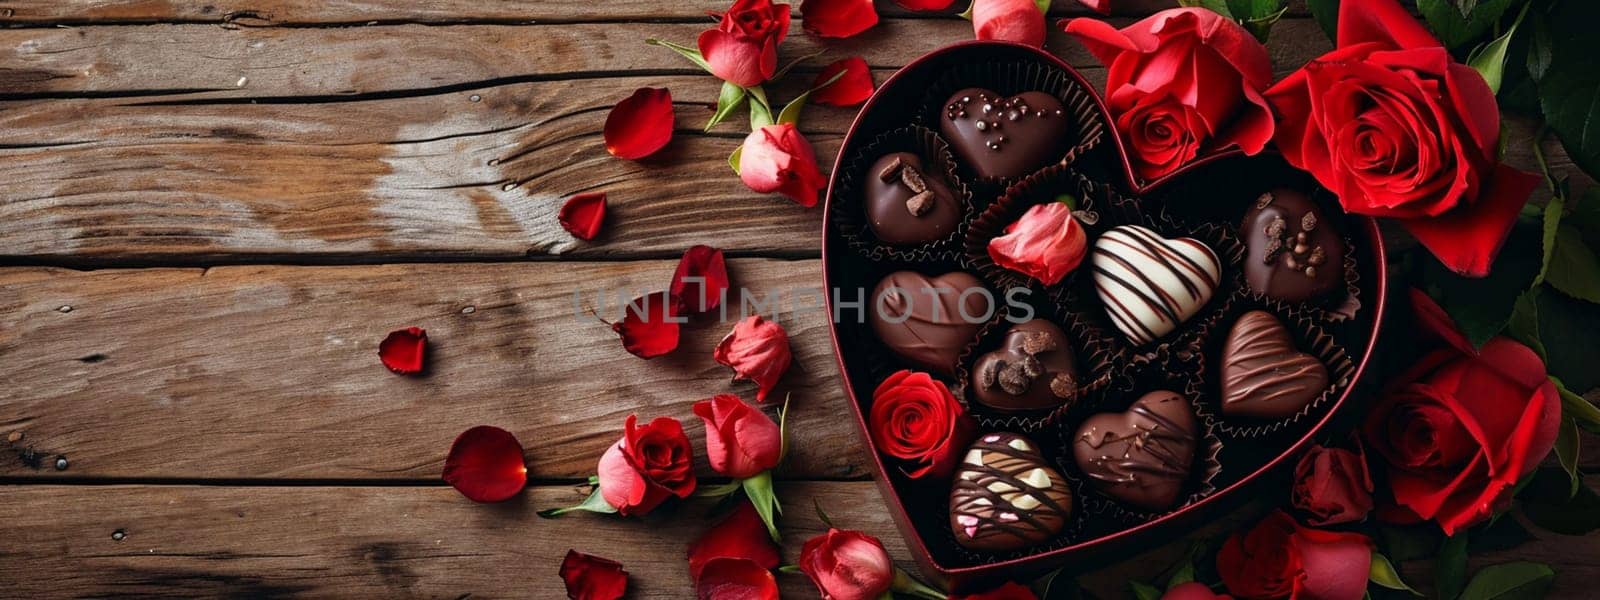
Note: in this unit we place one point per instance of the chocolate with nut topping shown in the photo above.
(1032, 369)
(1294, 255)
(906, 205)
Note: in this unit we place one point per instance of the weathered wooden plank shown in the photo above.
(289, 12)
(272, 372)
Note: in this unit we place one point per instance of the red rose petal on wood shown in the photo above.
(583, 214)
(700, 281)
(404, 351)
(486, 465)
(741, 534)
(851, 89)
(649, 325)
(590, 577)
(838, 18)
(735, 579)
(640, 124)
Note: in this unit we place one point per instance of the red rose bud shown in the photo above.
(640, 124)
(1280, 559)
(743, 48)
(916, 419)
(847, 565)
(777, 159)
(757, 350)
(1010, 591)
(742, 534)
(850, 89)
(1396, 128)
(741, 441)
(1017, 21)
(1462, 426)
(583, 214)
(647, 466)
(485, 464)
(1332, 486)
(403, 351)
(1045, 244)
(837, 18)
(1181, 82)
(735, 579)
(593, 578)
(649, 325)
(700, 281)
(1193, 590)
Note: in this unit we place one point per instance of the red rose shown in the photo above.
(1462, 426)
(741, 534)
(1280, 559)
(847, 565)
(757, 350)
(1332, 485)
(1182, 82)
(1010, 591)
(1193, 590)
(776, 158)
(1017, 21)
(743, 48)
(1045, 244)
(735, 579)
(593, 578)
(1396, 128)
(741, 441)
(916, 419)
(647, 466)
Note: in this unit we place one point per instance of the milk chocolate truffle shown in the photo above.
(1004, 137)
(1033, 369)
(1294, 254)
(907, 205)
(1141, 457)
(928, 321)
(1006, 496)
(1150, 284)
(1263, 375)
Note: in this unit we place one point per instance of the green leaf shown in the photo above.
(1575, 407)
(1482, 307)
(1567, 449)
(1457, 28)
(1044, 6)
(760, 109)
(733, 159)
(729, 100)
(693, 54)
(759, 490)
(1574, 268)
(791, 111)
(1524, 324)
(1569, 87)
(1184, 574)
(1217, 6)
(1490, 59)
(1519, 580)
(1410, 542)
(1144, 591)
(1450, 568)
(822, 515)
(1326, 12)
(1549, 503)
(1552, 225)
(1569, 327)
(594, 503)
(1496, 535)
(1382, 572)
(783, 430)
(790, 569)
(717, 491)
(1257, 16)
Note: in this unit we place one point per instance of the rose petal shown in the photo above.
(1335, 565)
(1100, 6)
(649, 327)
(1468, 239)
(583, 214)
(1017, 21)
(757, 350)
(700, 282)
(404, 350)
(590, 577)
(485, 464)
(1010, 591)
(924, 5)
(1434, 323)
(851, 89)
(837, 18)
(640, 124)
(741, 441)
(742, 534)
(726, 578)
(1383, 21)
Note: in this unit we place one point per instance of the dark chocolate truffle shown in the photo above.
(928, 321)
(1005, 137)
(906, 204)
(1294, 253)
(1032, 369)
(1141, 457)
(1006, 496)
(1263, 375)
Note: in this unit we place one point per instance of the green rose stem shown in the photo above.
(906, 584)
(594, 503)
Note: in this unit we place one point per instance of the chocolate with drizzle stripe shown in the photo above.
(1006, 496)
(1141, 457)
(1150, 284)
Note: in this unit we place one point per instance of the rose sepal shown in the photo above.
(595, 503)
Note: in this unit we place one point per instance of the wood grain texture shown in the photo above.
(272, 372)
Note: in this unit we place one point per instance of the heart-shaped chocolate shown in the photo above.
(1150, 284)
(1006, 496)
(1141, 457)
(1263, 375)
(906, 204)
(928, 321)
(1293, 255)
(1004, 137)
(1032, 369)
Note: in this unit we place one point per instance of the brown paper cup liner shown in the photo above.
(1045, 186)
(1309, 337)
(1094, 374)
(850, 213)
(1009, 78)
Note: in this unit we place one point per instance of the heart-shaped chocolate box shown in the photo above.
(1215, 189)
